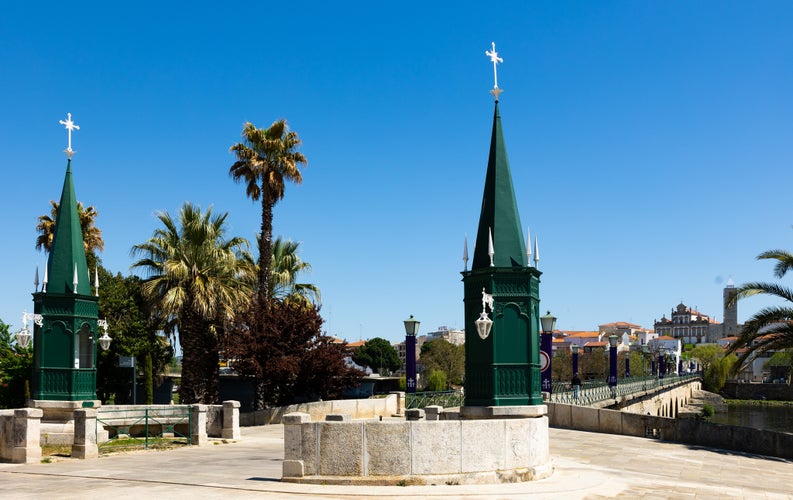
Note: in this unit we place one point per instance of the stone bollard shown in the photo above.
(400, 397)
(433, 412)
(26, 436)
(338, 417)
(198, 425)
(84, 445)
(231, 420)
(293, 465)
(414, 414)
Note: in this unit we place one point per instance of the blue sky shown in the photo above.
(648, 141)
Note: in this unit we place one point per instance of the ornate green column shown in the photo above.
(503, 368)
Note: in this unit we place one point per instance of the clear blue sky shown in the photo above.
(650, 142)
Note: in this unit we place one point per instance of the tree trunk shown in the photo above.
(265, 249)
(148, 385)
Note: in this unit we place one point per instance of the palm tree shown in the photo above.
(771, 328)
(286, 265)
(266, 158)
(92, 235)
(196, 281)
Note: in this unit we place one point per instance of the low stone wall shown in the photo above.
(218, 421)
(20, 435)
(356, 408)
(686, 430)
(777, 392)
(415, 452)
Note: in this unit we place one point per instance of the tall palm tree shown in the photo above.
(771, 328)
(286, 265)
(92, 235)
(266, 159)
(196, 280)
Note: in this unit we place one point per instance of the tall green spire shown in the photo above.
(499, 215)
(68, 252)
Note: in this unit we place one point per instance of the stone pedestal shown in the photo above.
(85, 434)
(485, 450)
(231, 420)
(57, 421)
(489, 412)
(199, 425)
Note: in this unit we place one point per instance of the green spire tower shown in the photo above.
(502, 368)
(64, 359)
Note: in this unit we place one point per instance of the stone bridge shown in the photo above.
(666, 397)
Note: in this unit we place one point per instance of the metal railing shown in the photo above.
(446, 399)
(144, 427)
(596, 391)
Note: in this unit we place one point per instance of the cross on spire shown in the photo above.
(495, 59)
(70, 125)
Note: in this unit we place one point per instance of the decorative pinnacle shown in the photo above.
(495, 59)
(490, 251)
(465, 253)
(70, 125)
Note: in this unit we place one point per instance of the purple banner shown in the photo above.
(546, 354)
(410, 363)
(612, 380)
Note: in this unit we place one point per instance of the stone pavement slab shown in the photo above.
(588, 465)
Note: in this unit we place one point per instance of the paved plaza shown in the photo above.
(588, 465)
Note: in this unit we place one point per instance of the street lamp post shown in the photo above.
(645, 349)
(576, 378)
(548, 324)
(612, 380)
(411, 329)
(661, 366)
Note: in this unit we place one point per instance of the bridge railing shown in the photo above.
(595, 391)
(446, 399)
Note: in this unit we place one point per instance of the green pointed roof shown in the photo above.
(67, 249)
(499, 210)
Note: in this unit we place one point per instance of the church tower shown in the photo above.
(502, 365)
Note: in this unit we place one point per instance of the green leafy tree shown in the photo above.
(781, 364)
(16, 368)
(196, 281)
(286, 266)
(134, 329)
(635, 358)
(771, 328)
(716, 364)
(442, 355)
(562, 365)
(436, 381)
(593, 364)
(266, 159)
(379, 355)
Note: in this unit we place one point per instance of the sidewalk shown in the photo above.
(588, 465)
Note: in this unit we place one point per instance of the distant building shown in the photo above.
(693, 327)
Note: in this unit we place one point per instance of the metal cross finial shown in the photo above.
(70, 125)
(495, 59)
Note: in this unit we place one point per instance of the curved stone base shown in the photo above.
(491, 477)
(397, 452)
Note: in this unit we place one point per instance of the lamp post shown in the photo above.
(548, 324)
(411, 329)
(576, 378)
(24, 336)
(661, 366)
(645, 349)
(575, 359)
(612, 380)
(628, 365)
